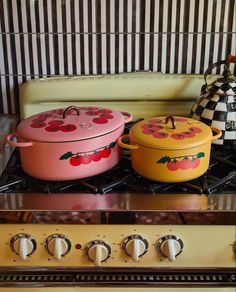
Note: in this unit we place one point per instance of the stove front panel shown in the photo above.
(160, 246)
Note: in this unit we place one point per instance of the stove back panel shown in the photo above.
(142, 94)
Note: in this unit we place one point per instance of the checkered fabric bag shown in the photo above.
(216, 107)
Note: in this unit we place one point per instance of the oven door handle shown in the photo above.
(17, 144)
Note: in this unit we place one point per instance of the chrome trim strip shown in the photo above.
(117, 202)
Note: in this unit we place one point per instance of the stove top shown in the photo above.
(220, 178)
(125, 195)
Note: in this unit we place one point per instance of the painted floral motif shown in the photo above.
(182, 162)
(79, 158)
(192, 131)
(153, 128)
(102, 116)
(53, 125)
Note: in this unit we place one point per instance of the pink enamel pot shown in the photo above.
(71, 143)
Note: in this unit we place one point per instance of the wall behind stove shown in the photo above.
(60, 37)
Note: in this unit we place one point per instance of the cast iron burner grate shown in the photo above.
(219, 178)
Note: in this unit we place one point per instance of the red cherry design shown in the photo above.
(157, 127)
(39, 120)
(44, 116)
(106, 152)
(105, 111)
(173, 165)
(195, 163)
(87, 159)
(181, 119)
(189, 134)
(100, 121)
(147, 126)
(76, 160)
(68, 128)
(151, 126)
(178, 136)
(185, 163)
(160, 135)
(155, 121)
(149, 131)
(195, 130)
(106, 116)
(48, 115)
(97, 156)
(55, 123)
(52, 128)
(38, 125)
(92, 113)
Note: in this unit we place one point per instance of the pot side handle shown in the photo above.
(17, 144)
(128, 116)
(124, 145)
(218, 135)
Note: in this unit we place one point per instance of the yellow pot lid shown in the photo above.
(159, 132)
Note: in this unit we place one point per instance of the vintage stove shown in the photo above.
(117, 229)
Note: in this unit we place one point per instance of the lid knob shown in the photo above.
(172, 121)
(68, 109)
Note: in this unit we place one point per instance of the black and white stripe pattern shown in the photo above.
(72, 37)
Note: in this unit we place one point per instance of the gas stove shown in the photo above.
(116, 228)
(220, 177)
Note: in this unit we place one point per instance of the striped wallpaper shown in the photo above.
(73, 37)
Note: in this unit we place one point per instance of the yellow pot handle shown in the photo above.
(124, 145)
(218, 135)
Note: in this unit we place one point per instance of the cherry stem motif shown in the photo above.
(187, 157)
(92, 151)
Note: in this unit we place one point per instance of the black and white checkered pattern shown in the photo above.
(217, 108)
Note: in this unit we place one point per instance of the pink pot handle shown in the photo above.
(129, 117)
(17, 144)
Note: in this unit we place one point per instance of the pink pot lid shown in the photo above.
(71, 124)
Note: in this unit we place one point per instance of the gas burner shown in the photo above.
(219, 178)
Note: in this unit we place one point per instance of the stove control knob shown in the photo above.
(23, 245)
(170, 246)
(135, 246)
(57, 245)
(97, 251)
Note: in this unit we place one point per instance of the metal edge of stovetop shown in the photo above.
(118, 202)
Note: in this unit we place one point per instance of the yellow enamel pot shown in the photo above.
(170, 149)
